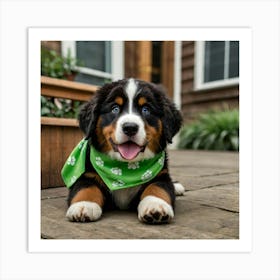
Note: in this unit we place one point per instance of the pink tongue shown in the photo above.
(129, 150)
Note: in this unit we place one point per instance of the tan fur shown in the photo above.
(153, 136)
(142, 101)
(92, 194)
(119, 100)
(104, 134)
(157, 191)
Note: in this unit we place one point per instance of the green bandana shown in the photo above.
(116, 174)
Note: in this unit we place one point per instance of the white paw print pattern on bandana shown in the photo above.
(161, 161)
(116, 171)
(71, 161)
(73, 179)
(133, 165)
(99, 161)
(118, 183)
(82, 146)
(147, 175)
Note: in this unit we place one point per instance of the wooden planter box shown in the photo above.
(59, 136)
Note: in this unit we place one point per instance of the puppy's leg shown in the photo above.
(86, 205)
(156, 204)
(179, 188)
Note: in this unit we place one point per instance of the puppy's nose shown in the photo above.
(130, 128)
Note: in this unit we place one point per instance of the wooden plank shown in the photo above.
(59, 121)
(56, 144)
(66, 89)
(54, 193)
(210, 95)
(188, 49)
(188, 63)
(45, 158)
(47, 81)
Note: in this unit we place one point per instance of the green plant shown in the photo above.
(56, 66)
(58, 107)
(212, 131)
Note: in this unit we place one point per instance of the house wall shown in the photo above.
(195, 102)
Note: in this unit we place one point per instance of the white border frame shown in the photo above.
(199, 70)
(36, 244)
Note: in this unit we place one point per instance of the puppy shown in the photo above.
(122, 161)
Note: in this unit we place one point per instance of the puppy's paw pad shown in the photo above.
(153, 210)
(84, 211)
(179, 189)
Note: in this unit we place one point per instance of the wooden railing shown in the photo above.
(59, 135)
(66, 89)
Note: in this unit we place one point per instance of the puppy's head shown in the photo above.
(130, 120)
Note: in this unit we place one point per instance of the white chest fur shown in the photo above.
(122, 198)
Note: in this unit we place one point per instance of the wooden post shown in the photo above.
(167, 69)
(144, 60)
(138, 60)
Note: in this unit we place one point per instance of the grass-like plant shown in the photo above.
(212, 131)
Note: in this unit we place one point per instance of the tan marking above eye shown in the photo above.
(142, 101)
(119, 100)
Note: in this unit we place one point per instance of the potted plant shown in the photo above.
(56, 66)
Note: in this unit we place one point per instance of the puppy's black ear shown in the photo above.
(172, 118)
(88, 117)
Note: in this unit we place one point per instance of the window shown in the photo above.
(216, 63)
(102, 61)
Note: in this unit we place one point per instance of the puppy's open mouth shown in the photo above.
(128, 150)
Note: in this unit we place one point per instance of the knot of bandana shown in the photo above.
(115, 174)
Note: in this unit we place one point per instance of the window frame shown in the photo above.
(199, 83)
(117, 60)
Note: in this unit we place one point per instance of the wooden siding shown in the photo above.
(57, 142)
(195, 102)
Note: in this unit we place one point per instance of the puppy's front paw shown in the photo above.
(84, 211)
(179, 188)
(154, 210)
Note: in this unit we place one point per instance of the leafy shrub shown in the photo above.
(58, 107)
(56, 66)
(212, 131)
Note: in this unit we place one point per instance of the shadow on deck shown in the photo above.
(209, 208)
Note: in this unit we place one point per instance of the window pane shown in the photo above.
(95, 54)
(214, 61)
(234, 59)
(89, 79)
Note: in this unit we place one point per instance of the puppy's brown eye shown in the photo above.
(116, 109)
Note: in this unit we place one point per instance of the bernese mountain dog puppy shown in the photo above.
(123, 162)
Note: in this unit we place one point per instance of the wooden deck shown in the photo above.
(209, 208)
